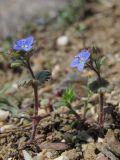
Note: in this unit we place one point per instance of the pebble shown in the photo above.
(62, 41)
(71, 154)
(100, 140)
(6, 127)
(41, 112)
(40, 156)
(4, 115)
(26, 155)
(101, 156)
(62, 158)
(56, 71)
(46, 154)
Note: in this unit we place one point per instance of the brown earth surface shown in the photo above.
(60, 136)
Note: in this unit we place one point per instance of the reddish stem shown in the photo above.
(36, 103)
(101, 112)
(101, 95)
(36, 106)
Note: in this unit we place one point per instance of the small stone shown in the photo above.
(44, 103)
(55, 72)
(4, 115)
(62, 41)
(101, 156)
(41, 155)
(62, 158)
(90, 152)
(49, 155)
(42, 112)
(27, 155)
(6, 127)
(71, 154)
(84, 146)
(100, 140)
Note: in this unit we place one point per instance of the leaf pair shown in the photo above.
(40, 78)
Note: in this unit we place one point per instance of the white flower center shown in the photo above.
(24, 46)
(82, 60)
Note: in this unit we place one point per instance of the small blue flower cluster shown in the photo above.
(24, 44)
(80, 60)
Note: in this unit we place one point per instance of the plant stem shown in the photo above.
(30, 69)
(101, 112)
(101, 100)
(36, 106)
(85, 109)
(101, 94)
(36, 103)
(73, 111)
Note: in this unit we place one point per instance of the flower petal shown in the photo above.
(17, 47)
(81, 66)
(29, 40)
(19, 42)
(85, 54)
(74, 62)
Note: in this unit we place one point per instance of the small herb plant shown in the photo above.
(21, 54)
(92, 60)
(67, 98)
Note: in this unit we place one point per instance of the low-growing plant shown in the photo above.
(67, 98)
(93, 60)
(21, 54)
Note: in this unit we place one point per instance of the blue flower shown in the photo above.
(24, 44)
(80, 60)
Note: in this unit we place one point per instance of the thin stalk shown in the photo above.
(85, 109)
(101, 112)
(101, 99)
(30, 69)
(36, 103)
(101, 95)
(36, 106)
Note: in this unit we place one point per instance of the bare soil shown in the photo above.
(61, 134)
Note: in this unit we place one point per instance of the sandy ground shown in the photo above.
(13, 13)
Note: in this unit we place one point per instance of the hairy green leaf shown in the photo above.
(94, 86)
(42, 76)
(17, 63)
(25, 82)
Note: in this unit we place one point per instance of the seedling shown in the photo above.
(21, 54)
(67, 98)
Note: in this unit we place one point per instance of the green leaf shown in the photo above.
(103, 60)
(5, 88)
(18, 54)
(6, 105)
(42, 76)
(25, 82)
(94, 86)
(68, 96)
(17, 63)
